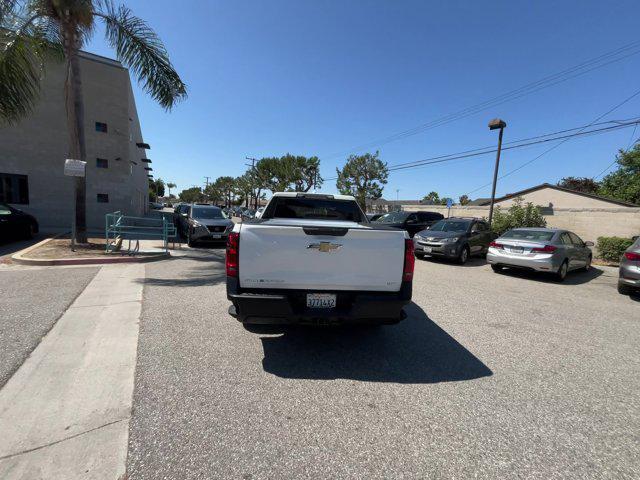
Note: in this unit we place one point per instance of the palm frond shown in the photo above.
(140, 49)
(22, 58)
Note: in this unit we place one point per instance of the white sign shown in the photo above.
(74, 168)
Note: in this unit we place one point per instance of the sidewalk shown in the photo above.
(65, 413)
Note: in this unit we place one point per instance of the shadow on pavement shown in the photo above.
(472, 262)
(10, 247)
(212, 272)
(414, 351)
(576, 277)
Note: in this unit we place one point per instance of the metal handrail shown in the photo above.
(119, 227)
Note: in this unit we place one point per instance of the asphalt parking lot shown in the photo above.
(491, 376)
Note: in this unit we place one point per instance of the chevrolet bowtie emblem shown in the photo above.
(325, 246)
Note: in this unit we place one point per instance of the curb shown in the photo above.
(20, 259)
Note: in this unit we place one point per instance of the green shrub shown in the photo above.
(517, 216)
(612, 248)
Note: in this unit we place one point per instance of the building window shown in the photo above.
(103, 198)
(101, 127)
(14, 188)
(102, 163)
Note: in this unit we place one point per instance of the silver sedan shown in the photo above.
(540, 249)
(629, 278)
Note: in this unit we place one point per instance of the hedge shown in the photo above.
(612, 248)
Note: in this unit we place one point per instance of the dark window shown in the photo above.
(317, 208)
(576, 240)
(14, 188)
(103, 198)
(565, 238)
(101, 127)
(535, 235)
(479, 227)
(102, 163)
(431, 216)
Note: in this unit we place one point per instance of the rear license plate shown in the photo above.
(427, 249)
(216, 236)
(517, 249)
(321, 300)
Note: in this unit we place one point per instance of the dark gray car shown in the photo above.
(629, 273)
(203, 223)
(454, 238)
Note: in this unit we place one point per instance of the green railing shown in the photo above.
(119, 227)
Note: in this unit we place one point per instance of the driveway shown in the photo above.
(491, 376)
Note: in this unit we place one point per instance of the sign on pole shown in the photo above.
(74, 168)
(449, 205)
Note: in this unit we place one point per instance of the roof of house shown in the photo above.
(555, 187)
(479, 202)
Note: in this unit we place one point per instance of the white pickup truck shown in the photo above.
(316, 259)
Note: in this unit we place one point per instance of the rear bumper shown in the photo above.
(629, 276)
(202, 235)
(274, 306)
(548, 264)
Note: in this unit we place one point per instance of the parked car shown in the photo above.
(412, 222)
(454, 238)
(309, 260)
(540, 249)
(629, 273)
(203, 223)
(156, 205)
(374, 216)
(259, 212)
(16, 224)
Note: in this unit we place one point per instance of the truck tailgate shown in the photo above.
(283, 256)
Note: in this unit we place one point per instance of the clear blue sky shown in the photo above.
(320, 77)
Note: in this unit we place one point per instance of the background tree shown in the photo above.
(33, 32)
(517, 216)
(170, 185)
(191, 195)
(580, 184)
(431, 198)
(289, 173)
(226, 186)
(624, 183)
(364, 177)
(156, 189)
(213, 193)
(464, 200)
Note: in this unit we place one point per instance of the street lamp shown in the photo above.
(496, 124)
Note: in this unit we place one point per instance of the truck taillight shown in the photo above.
(545, 249)
(409, 261)
(232, 259)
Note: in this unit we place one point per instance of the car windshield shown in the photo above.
(393, 217)
(450, 226)
(316, 208)
(207, 212)
(535, 235)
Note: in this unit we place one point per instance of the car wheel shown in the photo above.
(561, 274)
(464, 255)
(624, 290)
(190, 242)
(587, 267)
(496, 268)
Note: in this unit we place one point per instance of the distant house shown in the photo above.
(552, 196)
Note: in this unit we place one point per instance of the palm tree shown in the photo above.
(34, 32)
(170, 185)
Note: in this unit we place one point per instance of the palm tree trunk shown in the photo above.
(75, 127)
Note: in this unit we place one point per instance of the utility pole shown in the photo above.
(253, 167)
(496, 124)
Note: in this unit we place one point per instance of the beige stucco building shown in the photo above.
(33, 151)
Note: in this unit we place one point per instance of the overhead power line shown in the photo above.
(611, 110)
(583, 68)
(513, 145)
